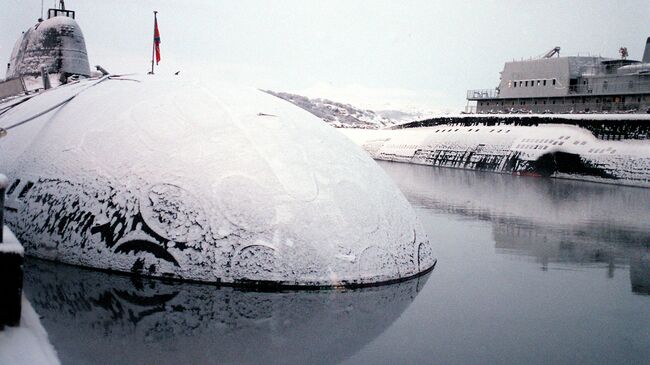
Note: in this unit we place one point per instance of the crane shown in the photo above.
(553, 52)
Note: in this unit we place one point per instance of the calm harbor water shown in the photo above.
(530, 270)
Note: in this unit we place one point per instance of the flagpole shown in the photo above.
(153, 41)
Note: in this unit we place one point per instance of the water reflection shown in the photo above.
(552, 220)
(96, 317)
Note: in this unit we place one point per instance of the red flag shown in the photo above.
(156, 40)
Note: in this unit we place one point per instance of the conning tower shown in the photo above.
(55, 45)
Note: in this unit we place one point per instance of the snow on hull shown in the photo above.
(172, 178)
(56, 44)
(556, 150)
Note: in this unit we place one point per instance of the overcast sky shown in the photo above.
(379, 54)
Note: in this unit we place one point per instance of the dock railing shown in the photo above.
(482, 94)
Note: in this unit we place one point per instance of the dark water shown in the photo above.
(529, 270)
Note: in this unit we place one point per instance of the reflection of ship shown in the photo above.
(170, 177)
(95, 317)
(556, 221)
(578, 246)
(569, 84)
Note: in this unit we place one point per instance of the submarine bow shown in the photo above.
(176, 178)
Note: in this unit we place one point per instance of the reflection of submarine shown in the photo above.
(95, 317)
(557, 221)
(174, 178)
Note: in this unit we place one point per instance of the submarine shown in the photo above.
(581, 118)
(171, 177)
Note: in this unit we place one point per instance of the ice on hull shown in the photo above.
(173, 178)
(505, 146)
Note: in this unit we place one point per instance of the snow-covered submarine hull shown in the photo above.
(182, 179)
(603, 148)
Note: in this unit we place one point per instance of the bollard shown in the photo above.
(46, 79)
(3, 186)
(11, 270)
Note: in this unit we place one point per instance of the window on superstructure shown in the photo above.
(553, 81)
(538, 82)
(544, 83)
(526, 83)
(515, 84)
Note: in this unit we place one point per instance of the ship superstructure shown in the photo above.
(575, 84)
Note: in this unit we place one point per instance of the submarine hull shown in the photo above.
(534, 146)
(176, 178)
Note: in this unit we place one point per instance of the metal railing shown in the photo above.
(625, 87)
(482, 94)
(51, 13)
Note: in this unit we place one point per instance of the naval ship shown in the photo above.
(575, 84)
(569, 117)
(171, 177)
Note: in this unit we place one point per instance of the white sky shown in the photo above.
(380, 54)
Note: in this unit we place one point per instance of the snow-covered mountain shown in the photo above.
(342, 115)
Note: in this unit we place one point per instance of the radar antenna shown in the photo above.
(623, 52)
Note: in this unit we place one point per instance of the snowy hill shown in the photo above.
(342, 115)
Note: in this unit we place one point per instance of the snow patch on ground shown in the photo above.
(344, 115)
